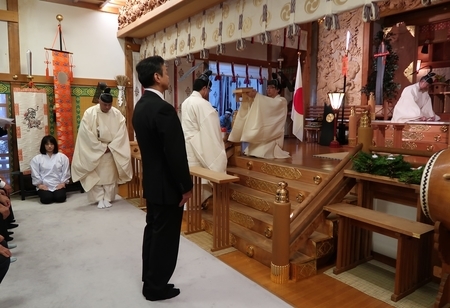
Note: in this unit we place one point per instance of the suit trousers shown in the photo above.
(160, 245)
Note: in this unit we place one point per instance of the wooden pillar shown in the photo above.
(130, 47)
(280, 240)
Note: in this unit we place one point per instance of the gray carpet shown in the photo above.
(75, 255)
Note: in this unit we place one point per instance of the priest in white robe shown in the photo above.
(261, 123)
(201, 127)
(102, 156)
(415, 103)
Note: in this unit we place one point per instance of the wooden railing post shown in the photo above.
(280, 239)
(221, 203)
(194, 207)
(398, 135)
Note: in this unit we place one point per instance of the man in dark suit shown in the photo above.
(166, 179)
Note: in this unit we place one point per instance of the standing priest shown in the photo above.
(102, 157)
(201, 126)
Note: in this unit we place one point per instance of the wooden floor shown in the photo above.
(317, 291)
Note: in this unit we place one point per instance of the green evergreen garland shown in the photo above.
(391, 166)
(390, 88)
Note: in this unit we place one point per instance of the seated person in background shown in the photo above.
(261, 123)
(5, 255)
(50, 172)
(415, 103)
(5, 213)
(226, 119)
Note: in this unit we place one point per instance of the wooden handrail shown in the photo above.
(326, 192)
(325, 182)
(221, 202)
(212, 176)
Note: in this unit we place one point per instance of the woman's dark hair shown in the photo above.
(46, 140)
(147, 68)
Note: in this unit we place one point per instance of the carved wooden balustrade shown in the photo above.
(421, 136)
(221, 199)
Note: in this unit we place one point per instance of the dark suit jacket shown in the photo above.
(3, 132)
(161, 141)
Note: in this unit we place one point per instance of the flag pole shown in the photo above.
(342, 128)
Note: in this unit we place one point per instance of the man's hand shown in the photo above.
(5, 251)
(4, 211)
(252, 93)
(60, 186)
(5, 201)
(186, 197)
(42, 187)
(7, 189)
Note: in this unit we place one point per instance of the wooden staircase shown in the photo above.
(251, 209)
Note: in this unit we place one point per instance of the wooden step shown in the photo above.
(254, 245)
(255, 199)
(302, 266)
(281, 169)
(269, 184)
(248, 218)
(320, 245)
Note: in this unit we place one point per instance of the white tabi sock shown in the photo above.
(101, 205)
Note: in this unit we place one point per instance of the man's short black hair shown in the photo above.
(147, 68)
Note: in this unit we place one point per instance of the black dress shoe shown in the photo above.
(12, 226)
(166, 294)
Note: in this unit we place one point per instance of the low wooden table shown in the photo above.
(413, 266)
(312, 134)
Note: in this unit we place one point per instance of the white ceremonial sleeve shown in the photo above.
(263, 119)
(239, 122)
(208, 145)
(120, 149)
(406, 108)
(35, 174)
(65, 175)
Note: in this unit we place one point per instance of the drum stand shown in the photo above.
(441, 240)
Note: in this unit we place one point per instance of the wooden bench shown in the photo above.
(414, 247)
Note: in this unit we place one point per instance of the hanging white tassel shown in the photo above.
(265, 37)
(335, 22)
(374, 12)
(366, 13)
(120, 96)
(190, 58)
(327, 22)
(240, 44)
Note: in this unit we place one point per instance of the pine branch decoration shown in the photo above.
(391, 166)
